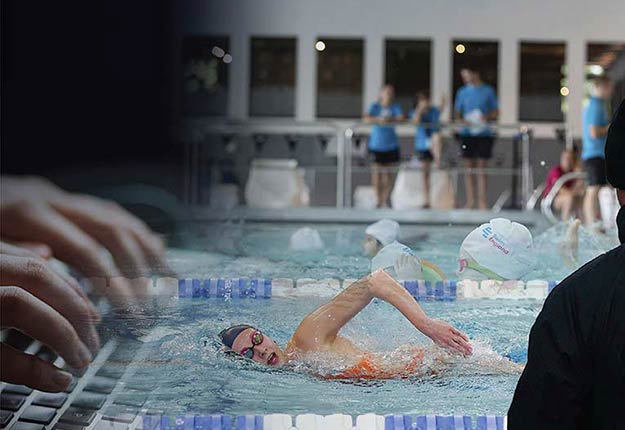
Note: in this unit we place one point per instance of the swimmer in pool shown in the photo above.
(319, 332)
(504, 250)
(381, 244)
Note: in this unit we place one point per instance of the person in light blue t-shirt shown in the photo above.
(383, 143)
(595, 124)
(427, 137)
(476, 105)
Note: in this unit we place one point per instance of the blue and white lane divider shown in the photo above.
(321, 422)
(260, 288)
(235, 288)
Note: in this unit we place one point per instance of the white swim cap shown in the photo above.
(500, 246)
(399, 261)
(306, 239)
(385, 231)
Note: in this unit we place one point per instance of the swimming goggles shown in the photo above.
(256, 338)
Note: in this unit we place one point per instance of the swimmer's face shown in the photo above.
(266, 352)
(371, 246)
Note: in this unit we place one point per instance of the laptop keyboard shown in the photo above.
(109, 395)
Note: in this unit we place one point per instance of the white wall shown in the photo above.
(575, 22)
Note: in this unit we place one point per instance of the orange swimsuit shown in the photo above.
(369, 368)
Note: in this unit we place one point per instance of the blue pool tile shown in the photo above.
(552, 285)
(439, 290)
(411, 286)
(398, 422)
(425, 422)
(189, 288)
(213, 422)
(151, 422)
(267, 289)
(221, 287)
(177, 423)
(457, 422)
(490, 422)
(453, 289)
(249, 422)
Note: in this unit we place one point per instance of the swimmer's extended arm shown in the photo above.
(321, 327)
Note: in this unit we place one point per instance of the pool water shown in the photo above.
(192, 376)
(262, 250)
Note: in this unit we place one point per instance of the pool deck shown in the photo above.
(316, 215)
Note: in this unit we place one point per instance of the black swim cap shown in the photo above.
(228, 335)
(615, 149)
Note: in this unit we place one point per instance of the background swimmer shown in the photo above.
(380, 234)
(381, 244)
(319, 332)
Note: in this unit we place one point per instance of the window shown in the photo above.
(608, 59)
(543, 86)
(480, 56)
(272, 77)
(408, 69)
(339, 77)
(205, 63)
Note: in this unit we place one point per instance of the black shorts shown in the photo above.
(595, 171)
(472, 147)
(424, 155)
(385, 157)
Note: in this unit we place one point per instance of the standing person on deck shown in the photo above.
(575, 374)
(476, 105)
(596, 122)
(426, 117)
(383, 144)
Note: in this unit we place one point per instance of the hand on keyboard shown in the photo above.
(76, 228)
(50, 307)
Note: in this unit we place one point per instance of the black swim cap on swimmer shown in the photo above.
(228, 335)
(615, 149)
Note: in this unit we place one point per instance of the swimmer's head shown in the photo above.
(380, 234)
(251, 343)
(499, 249)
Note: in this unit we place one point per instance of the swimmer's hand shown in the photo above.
(408, 267)
(446, 336)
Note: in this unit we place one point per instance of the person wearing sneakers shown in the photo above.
(499, 250)
(401, 262)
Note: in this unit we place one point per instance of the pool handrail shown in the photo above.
(547, 201)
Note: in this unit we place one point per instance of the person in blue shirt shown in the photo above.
(595, 123)
(476, 105)
(427, 137)
(383, 144)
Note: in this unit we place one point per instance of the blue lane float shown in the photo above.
(257, 422)
(426, 290)
(234, 288)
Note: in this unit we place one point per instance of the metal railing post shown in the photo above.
(349, 135)
(527, 182)
(340, 168)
